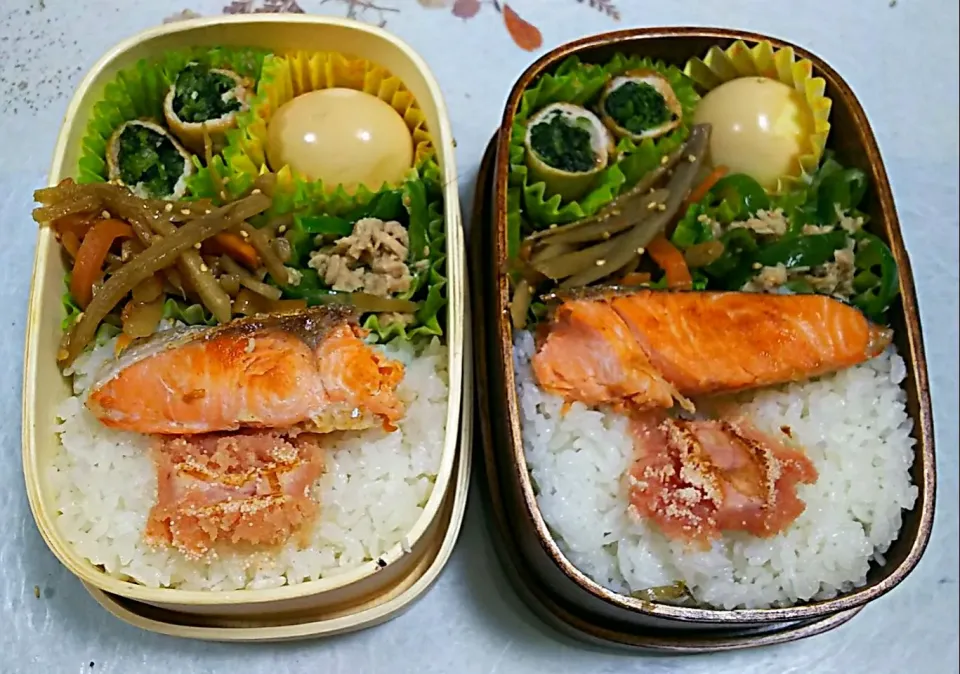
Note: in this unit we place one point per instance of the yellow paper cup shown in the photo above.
(285, 77)
(762, 60)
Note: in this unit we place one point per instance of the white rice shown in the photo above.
(853, 426)
(372, 492)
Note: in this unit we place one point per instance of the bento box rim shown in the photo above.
(923, 424)
(368, 617)
(443, 140)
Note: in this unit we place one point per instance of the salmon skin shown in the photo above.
(307, 370)
(249, 488)
(696, 479)
(645, 349)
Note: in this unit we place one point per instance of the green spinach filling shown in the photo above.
(201, 95)
(149, 159)
(637, 107)
(564, 145)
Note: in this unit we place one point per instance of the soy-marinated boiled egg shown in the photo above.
(760, 127)
(340, 136)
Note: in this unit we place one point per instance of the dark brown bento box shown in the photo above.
(599, 611)
(539, 597)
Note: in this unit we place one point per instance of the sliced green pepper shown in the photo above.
(743, 195)
(799, 286)
(537, 311)
(799, 209)
(659, 284)
(832, 190)
(733, 198)
(310, 289)
(384, 206)
(690, 231)
(802, 251)
(877, 281)
(828, 167)
(301, 242)
(840, 192)
(323, 224)
(732, 268)
(309, 280)
(415, 201)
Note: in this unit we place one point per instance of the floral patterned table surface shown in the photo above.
(900, 57)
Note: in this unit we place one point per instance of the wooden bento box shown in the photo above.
(566, 595)
(375, 590)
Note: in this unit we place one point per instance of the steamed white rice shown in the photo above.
(372, 492)
(853, 426)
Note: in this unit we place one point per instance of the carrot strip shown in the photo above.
(700, 191)
(670, 259)
(123, 341)
(635, 278)
(70, 243)
(228, 243)
(77, 224)
(93, 251)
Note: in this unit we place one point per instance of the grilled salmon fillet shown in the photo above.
(638, 350)
(309, 370)
(248, 488)
(591, 356)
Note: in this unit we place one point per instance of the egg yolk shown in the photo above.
(759, 127)
(342, 137)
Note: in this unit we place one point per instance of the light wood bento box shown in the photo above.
(551, 581)
(343, 597)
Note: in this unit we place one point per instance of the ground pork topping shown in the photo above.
(372, 259)
(767, 280)
(394, 317)
(765, 222)
(809, 230)
(832, 278)
(293, 276)
(850, 223)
